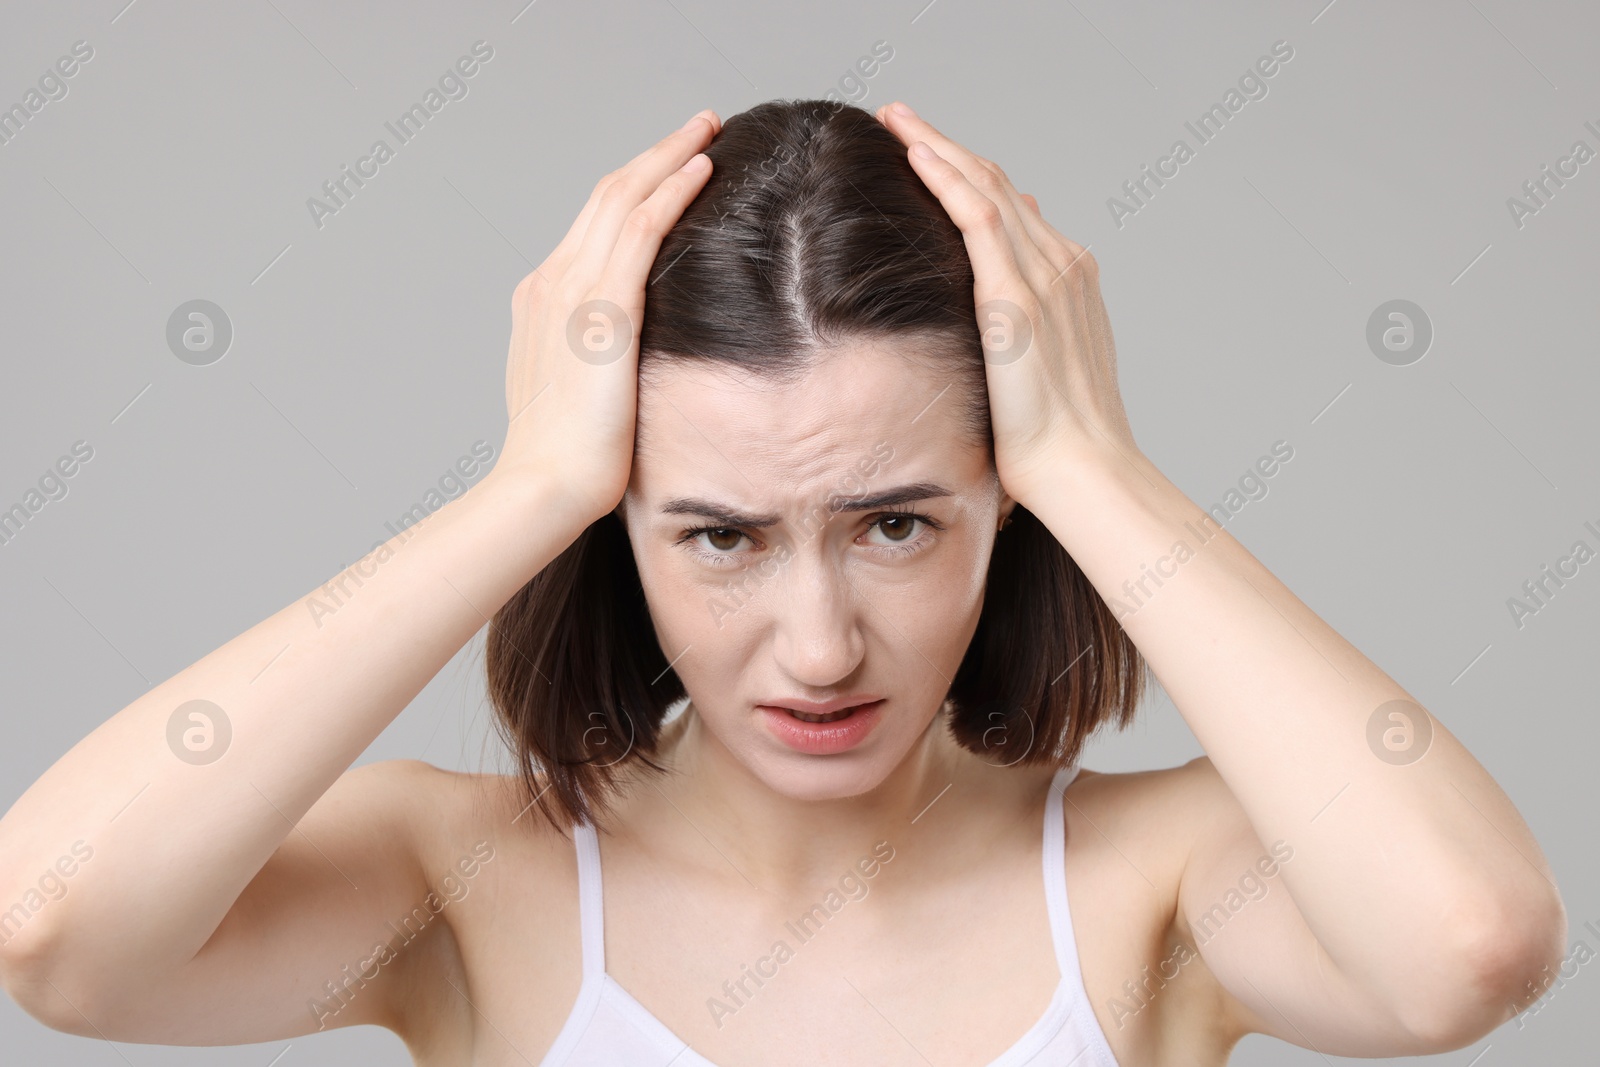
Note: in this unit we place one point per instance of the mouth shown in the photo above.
(834, 716)
(825, 734)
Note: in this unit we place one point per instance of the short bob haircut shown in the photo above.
(812, 230)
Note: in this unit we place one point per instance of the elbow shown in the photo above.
(24, 965)
(1508, 956)
(32, 976)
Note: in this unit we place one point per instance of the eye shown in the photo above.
(722, 540)
(900, 530)
(905, 532)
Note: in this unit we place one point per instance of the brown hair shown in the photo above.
(812, 230)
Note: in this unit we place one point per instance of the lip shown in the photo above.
(811, 707)
(822, 738)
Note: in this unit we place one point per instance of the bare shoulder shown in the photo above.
(1135, 789)
(1131, 837)
(1164, 812)
(462, 813)
(487, 855)
(1154, 813)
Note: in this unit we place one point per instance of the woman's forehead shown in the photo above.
(851, 426)
(847, 400)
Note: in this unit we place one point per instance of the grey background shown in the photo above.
(368, 355)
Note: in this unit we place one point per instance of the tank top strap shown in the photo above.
(1055, 874)
(591, 901)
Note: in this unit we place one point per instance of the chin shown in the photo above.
(819, 778)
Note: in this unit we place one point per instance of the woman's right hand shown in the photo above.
(241, 858)
(572, 374)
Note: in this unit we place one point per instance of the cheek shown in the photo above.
(951, 576)
(695, 609)
(939, 611)
(668, 592)
(703, 632)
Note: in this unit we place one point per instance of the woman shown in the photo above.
(893, 587)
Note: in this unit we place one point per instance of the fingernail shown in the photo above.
(900, 109)
(921, 150)
(686, 125)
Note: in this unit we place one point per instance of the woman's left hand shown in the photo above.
(1049, 359)
(1435, 932)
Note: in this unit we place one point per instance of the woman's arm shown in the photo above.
(1416, 876)
(202, 912)
(167, 843)
(1430, 903)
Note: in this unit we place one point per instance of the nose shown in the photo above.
(817, 636)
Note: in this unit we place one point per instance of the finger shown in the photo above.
(567, 250)
(1052, 247)
(630, 187)
(911, 128)
(990, 240)
(582, 224)
(1063, 251)
(624, 277)
(983, 175)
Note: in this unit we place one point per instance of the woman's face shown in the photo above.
(761, 593)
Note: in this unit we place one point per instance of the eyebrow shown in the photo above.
(727, 516)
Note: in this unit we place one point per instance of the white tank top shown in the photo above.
(609, 1028)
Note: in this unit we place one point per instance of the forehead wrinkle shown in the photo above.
(839, 388)
(812, 464)
(819, 451)
(810, 435)
(797, 417)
